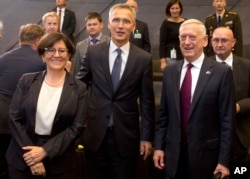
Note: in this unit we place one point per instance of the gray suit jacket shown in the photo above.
(211, 117)
(81, 49)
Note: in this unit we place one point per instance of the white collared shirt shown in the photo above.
(62, 16)
(195, 71)
(113, 54)
(228, 60)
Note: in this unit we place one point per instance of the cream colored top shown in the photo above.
(47, 105)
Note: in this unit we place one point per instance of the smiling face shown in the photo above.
(175, 10)
(57, 56)
(121, 23)
(192, 40)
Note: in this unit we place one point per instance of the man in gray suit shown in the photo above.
(195, 126)
(94, 26)
(223, 42)
(121, 75)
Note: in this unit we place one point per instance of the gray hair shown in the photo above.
(122, 6)
(202, 27)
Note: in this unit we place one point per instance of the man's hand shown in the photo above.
(163, 64)
(237, 108)
(224, 171)
(38, 169)
(33, 154)
(145, 149)
(159, 159)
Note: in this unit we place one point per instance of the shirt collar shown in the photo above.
(228, 60)
(62, 9)
(98, 37)
(124, 48)
(197, 63)
(221, 15)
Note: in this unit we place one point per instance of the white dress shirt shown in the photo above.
(195, 71)
(113, 54)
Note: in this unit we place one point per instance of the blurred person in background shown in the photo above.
(229, 19)
(140, 35)
(94, 26)
(67, 19)
(169, 49)
(51, 24)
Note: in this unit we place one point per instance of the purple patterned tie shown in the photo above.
(185, 101)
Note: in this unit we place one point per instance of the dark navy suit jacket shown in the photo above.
(13, 65)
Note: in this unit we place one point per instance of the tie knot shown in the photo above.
(119, 51)
(189, 66)
(94, 41)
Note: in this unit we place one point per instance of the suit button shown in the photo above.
(108, 117)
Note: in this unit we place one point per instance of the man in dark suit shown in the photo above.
(94, 26)
(195, 126)
(67, 18)
(222, 17)
(140, 35)
(114, 133)
(223, 42)
(13, 64)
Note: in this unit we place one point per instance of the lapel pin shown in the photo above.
(208, 72)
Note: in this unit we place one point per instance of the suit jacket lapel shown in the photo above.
(176, 88)
(35, 90)
(105, 62)
(67, 89)
(130, 63)
(236, 70)
(205, 74)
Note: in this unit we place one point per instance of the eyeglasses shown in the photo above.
(61, 51)
(223, 41)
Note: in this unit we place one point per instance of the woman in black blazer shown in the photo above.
(47, 115)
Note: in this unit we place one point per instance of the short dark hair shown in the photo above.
(170, 4)
(49, 40)
(93, 15)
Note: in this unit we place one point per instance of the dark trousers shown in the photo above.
(184, 168)
(107, 163)
(240, 160)
(4, 143)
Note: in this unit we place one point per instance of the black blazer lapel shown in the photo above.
(105, 62)
(205, 73)
(130, 63)
(67, 89)
(176, 88)
(236, 70)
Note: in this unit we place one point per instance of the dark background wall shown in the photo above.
(15, 13)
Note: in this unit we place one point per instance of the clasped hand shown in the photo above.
(33, 157)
